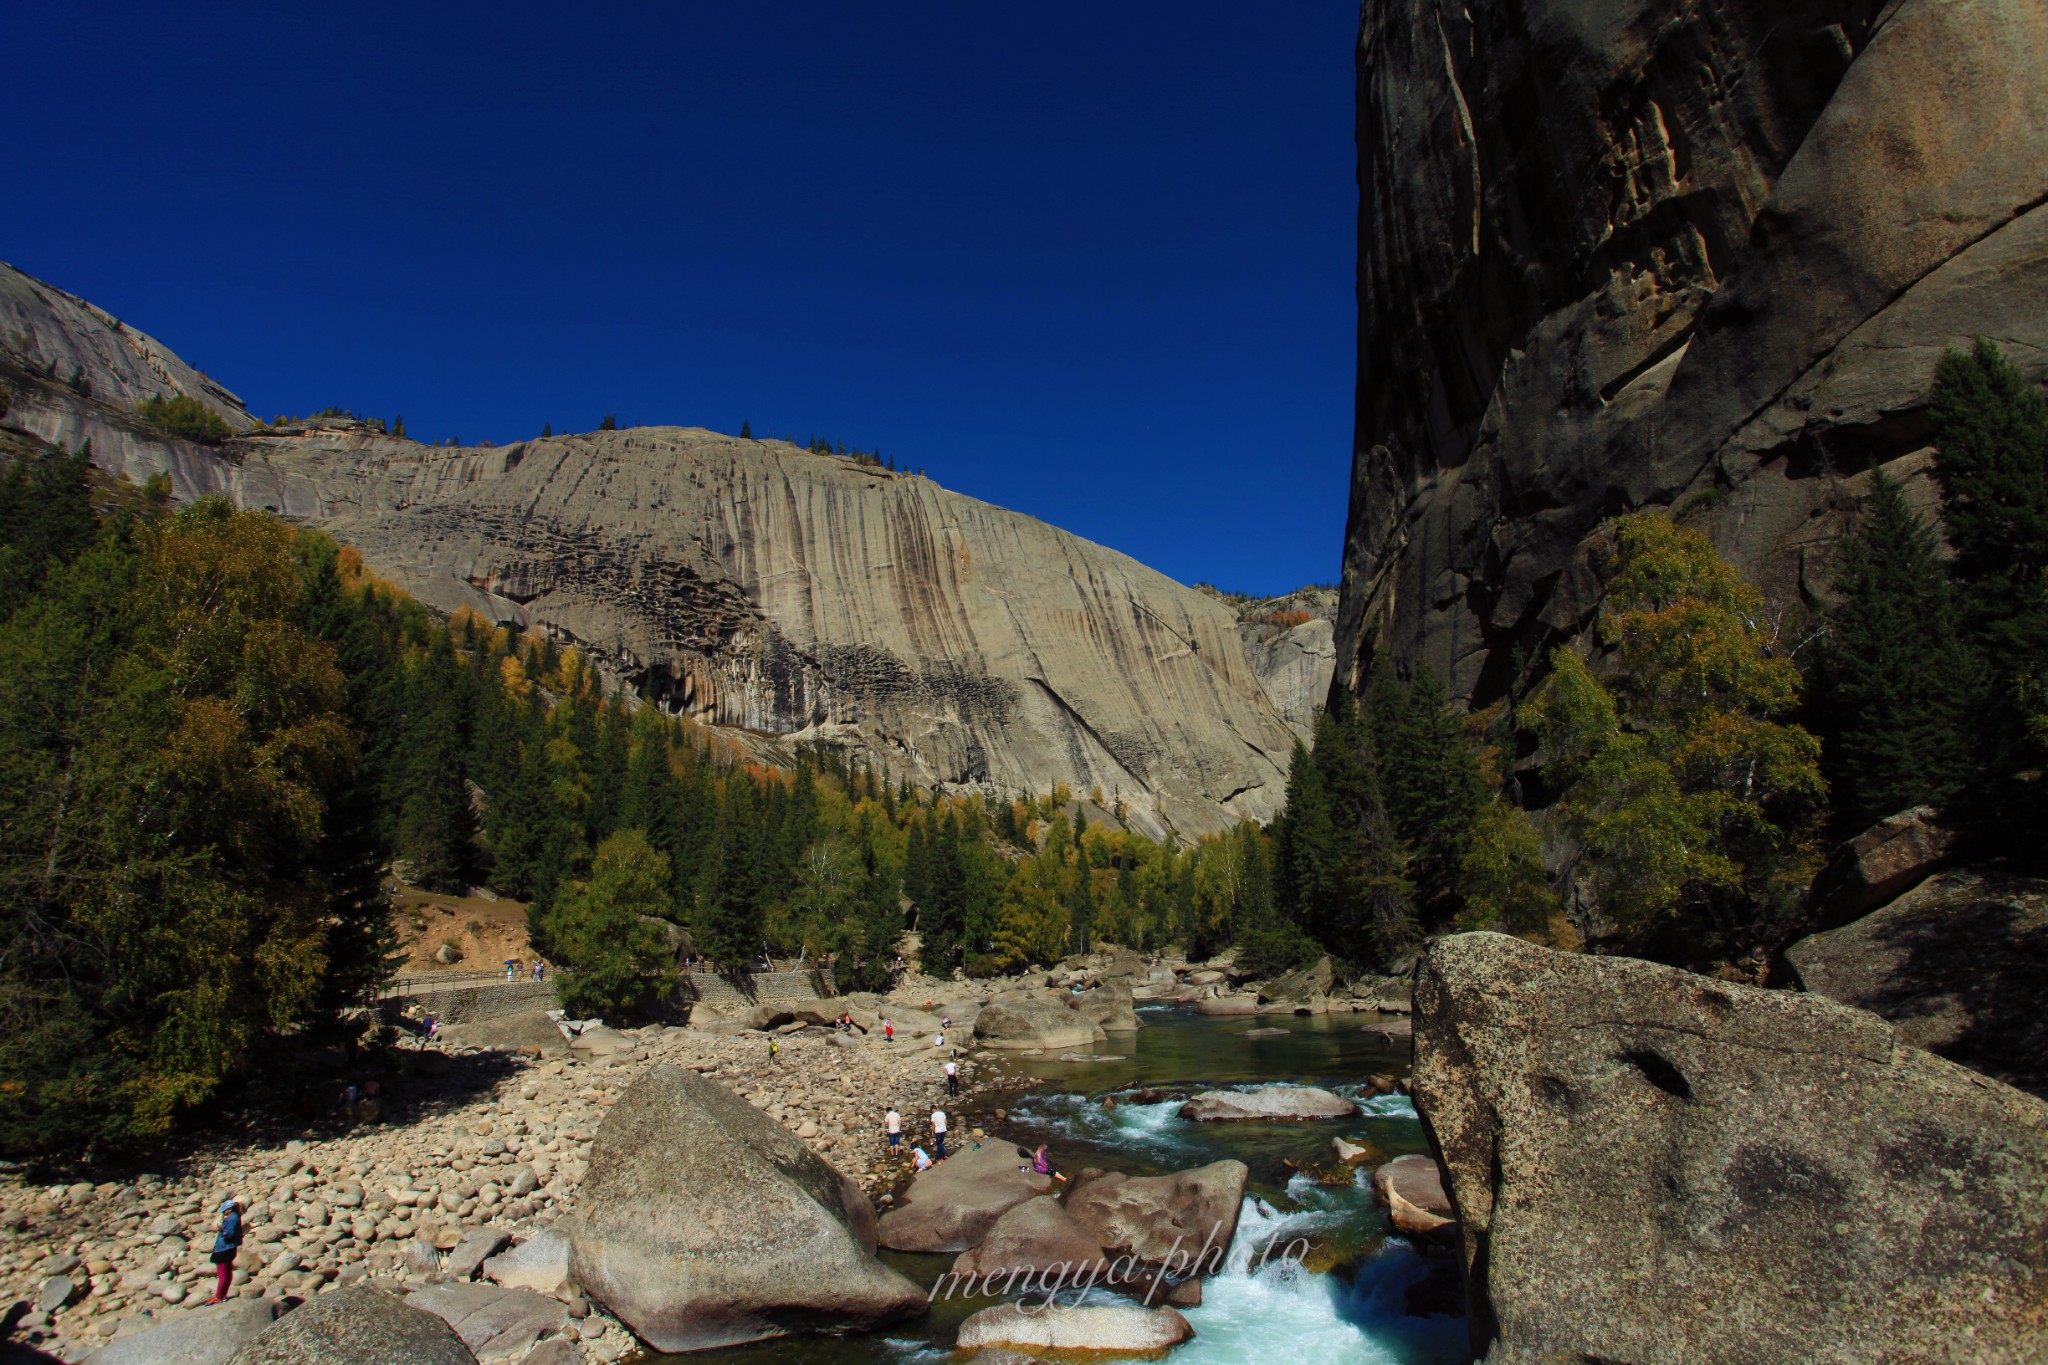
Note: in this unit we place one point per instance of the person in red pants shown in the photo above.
(225, 1246)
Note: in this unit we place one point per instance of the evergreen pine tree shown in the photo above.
(1991, 431)
(746, 430)
(1896, 683)
(731, 923)
(435, 823)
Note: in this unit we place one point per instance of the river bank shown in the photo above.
(475, 1138)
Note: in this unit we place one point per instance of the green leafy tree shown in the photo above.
(610, 944)
(1501, 879)
(1897, 685)
(186, 418)
(1690, 793)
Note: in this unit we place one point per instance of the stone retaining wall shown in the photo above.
(814, 983)
(466, 1004)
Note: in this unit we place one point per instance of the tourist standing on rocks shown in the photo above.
(952, 1077)
(774, 1051)
(224, 1247)
(888, 1030)
(939, 1134)
(892, 1128)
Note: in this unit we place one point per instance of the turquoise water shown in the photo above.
(1358, 1297)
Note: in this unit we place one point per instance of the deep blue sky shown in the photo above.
(1092, 261)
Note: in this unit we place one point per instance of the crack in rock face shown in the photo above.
(1700, 257)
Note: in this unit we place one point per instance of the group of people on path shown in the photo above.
(513, 967)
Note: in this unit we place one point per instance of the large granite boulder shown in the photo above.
(1096, 1331)
(1267, 1102)
(360, 1325)
(1304, 992)
(1664, 254)
(1881, 864)
(703, 1222)
(1034, 1019)
(1031, 1238)
(952, 1206)
(1110, 1006)
(1183, 1220)
(1959, 965)
(1656, 1167)
(197, 1336)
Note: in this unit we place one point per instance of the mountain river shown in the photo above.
(1359, 1297)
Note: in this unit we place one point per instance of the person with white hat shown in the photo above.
(225, 1246)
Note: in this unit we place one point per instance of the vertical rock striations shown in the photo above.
(746, 583)
(1627, 253)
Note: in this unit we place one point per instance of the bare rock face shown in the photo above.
(1291, 642)
(751, 584)
(1959, 965)
(1662, 254)
(745, 583)
(703, 1222)
(1652, 1166)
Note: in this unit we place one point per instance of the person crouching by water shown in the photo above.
(225, 1245)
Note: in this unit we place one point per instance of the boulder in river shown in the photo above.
(1183, 1220)
(703, 1222)
(1033, 1238)
(1034, 1019)
(360, 1325)
(1267, 1102)
(1653, 1166)
(952, 1206)
(1304, 992)
(1412, 1188)
(1109, 1006)
(1102, 1330)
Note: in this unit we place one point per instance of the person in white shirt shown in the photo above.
(892, 1127)
(939, 1134)
(939, 1040)
(919, 1159)
(952, 1077)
